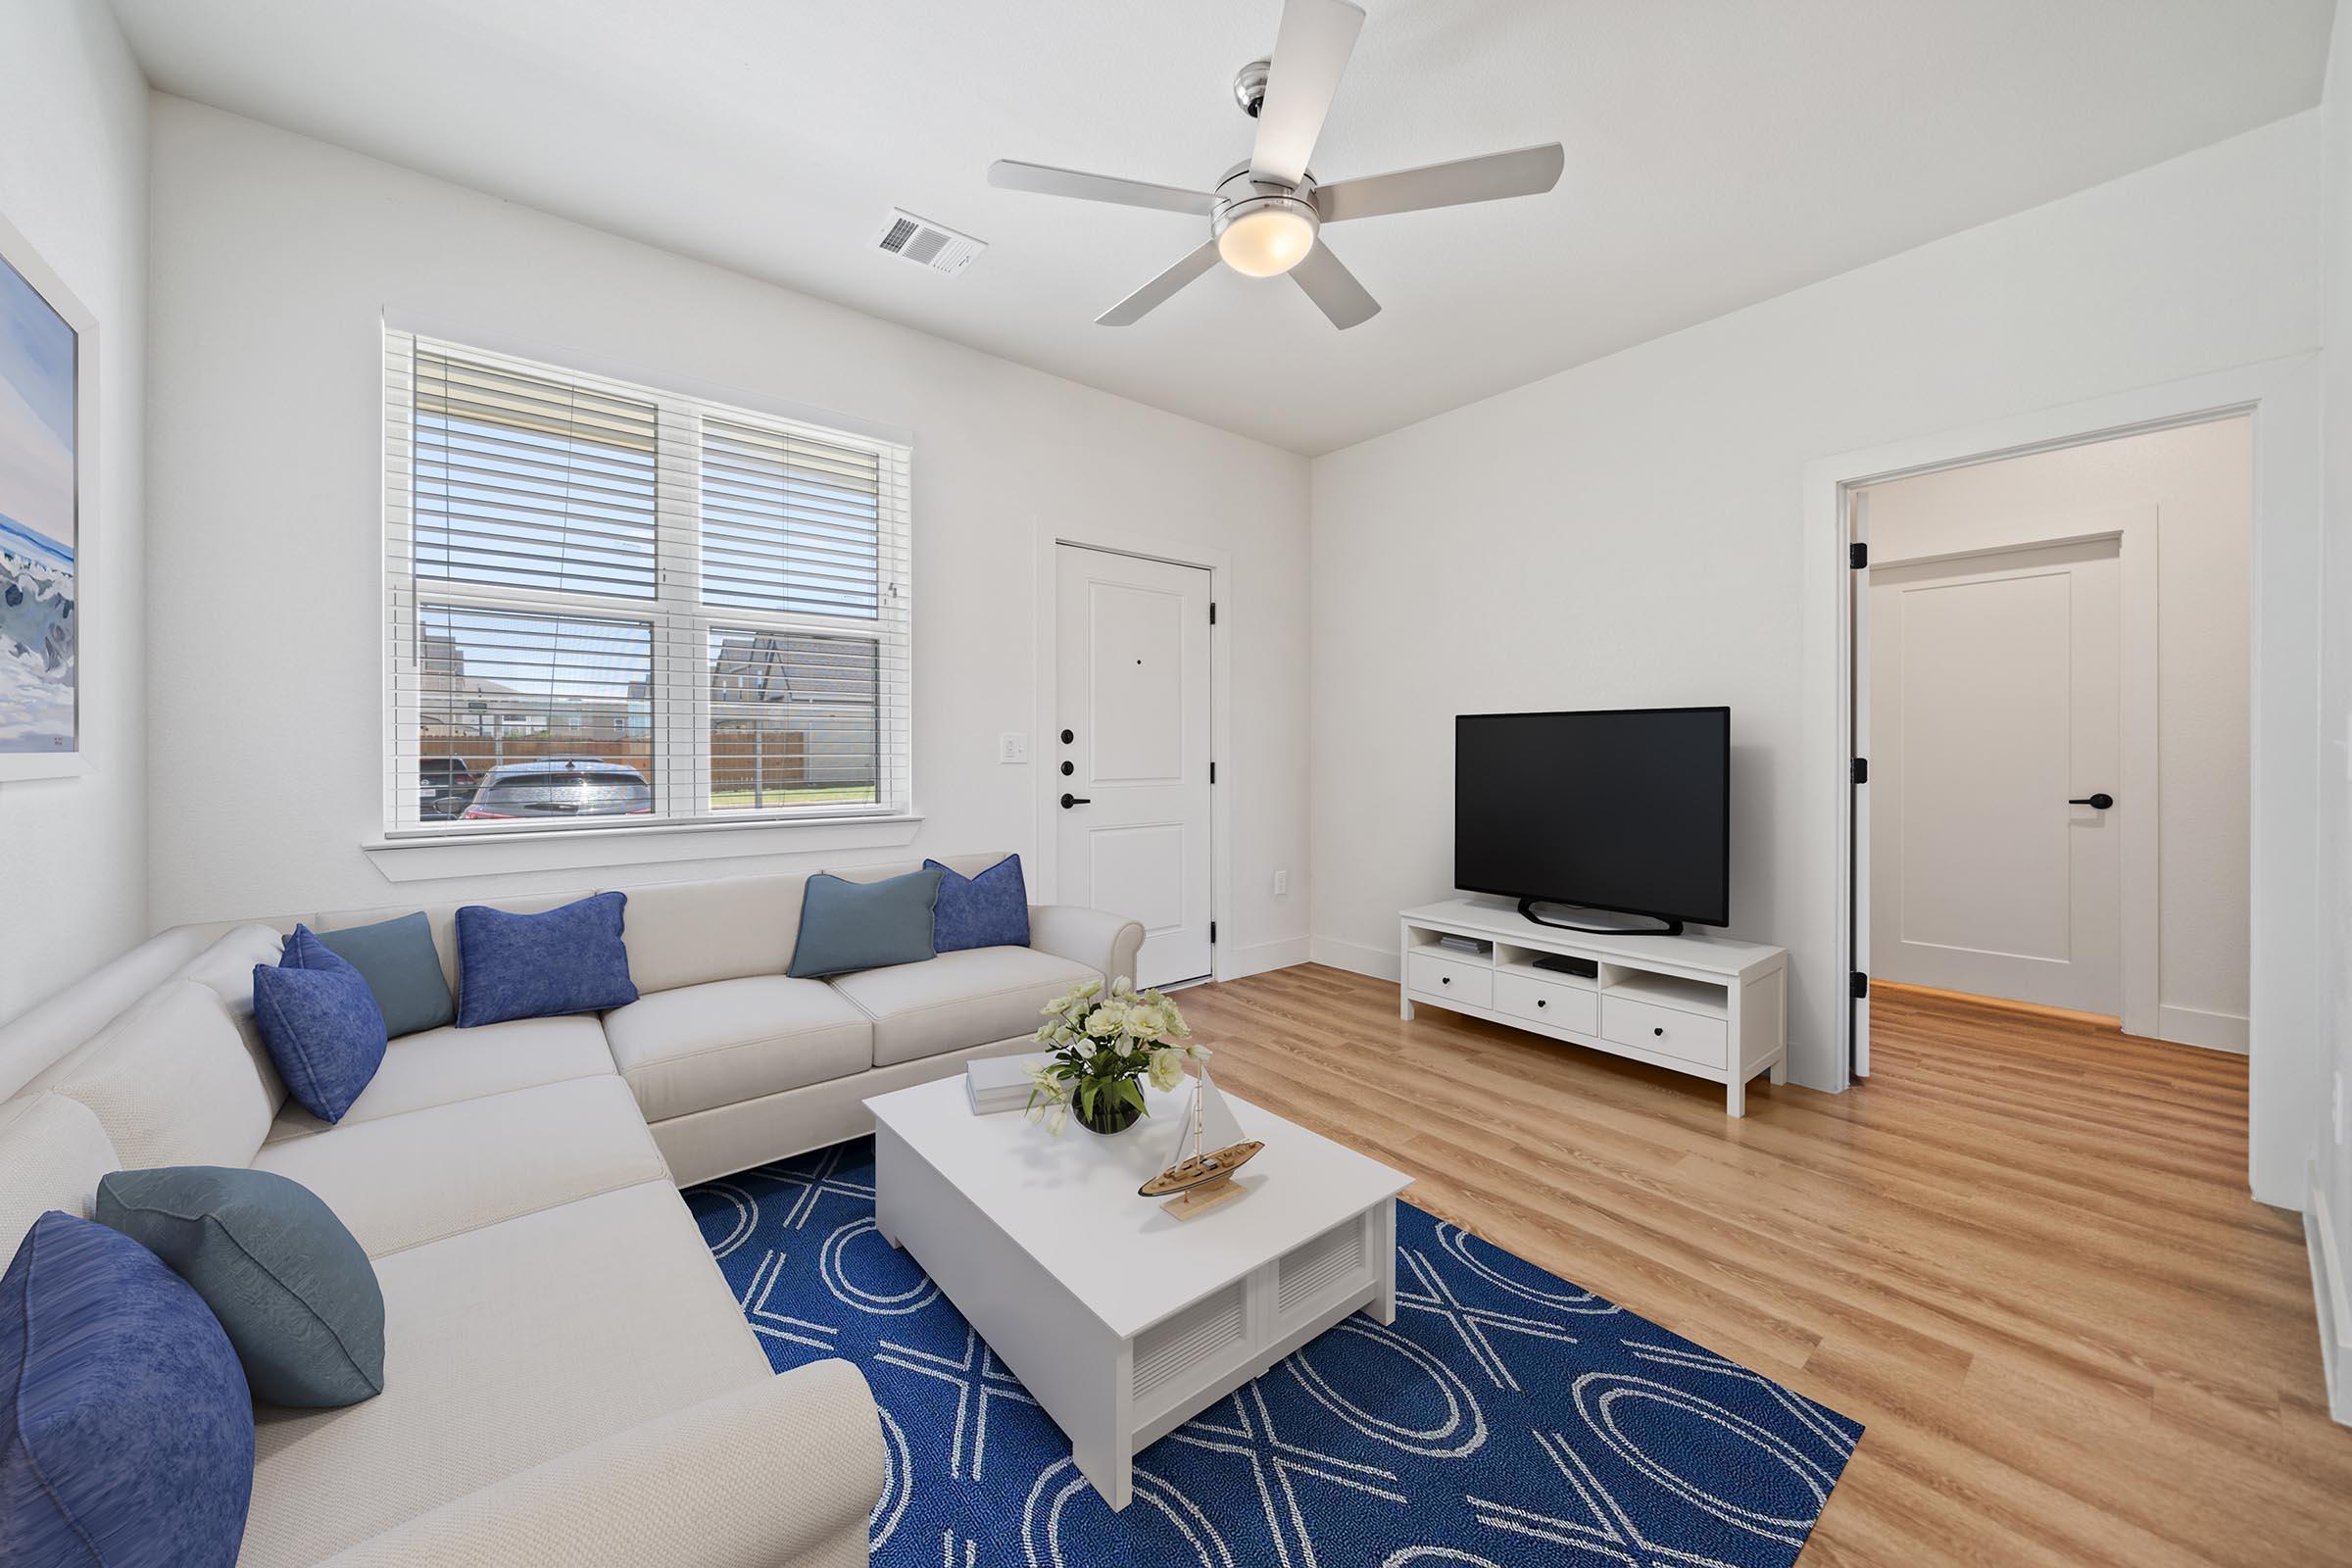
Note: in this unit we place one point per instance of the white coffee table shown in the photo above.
(1122, 1321)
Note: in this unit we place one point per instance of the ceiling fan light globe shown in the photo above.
(1268, 239)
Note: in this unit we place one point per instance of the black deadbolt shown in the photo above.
(1067, 768)
(1067, 737)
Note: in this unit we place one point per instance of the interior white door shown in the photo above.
(1994, 714)
(1130, 763)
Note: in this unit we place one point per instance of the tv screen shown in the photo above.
(1627, 810)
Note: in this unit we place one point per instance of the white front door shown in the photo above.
(1130, 773)
(1994, 695)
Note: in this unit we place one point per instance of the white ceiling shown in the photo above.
(1719, 152)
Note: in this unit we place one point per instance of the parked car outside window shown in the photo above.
(444, 787)
(559, 786)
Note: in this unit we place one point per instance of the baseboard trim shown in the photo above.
(2327, 1297)
(1381, 963)
(1261, 957)
(2215, 1031)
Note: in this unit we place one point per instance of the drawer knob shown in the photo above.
(1540, 1003)
(1659, 1032)
(1444, 979)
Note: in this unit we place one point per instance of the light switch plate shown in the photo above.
(1013, 747)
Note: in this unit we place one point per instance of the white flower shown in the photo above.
(1144, 1021)
(1058, 1118)
(1168, 1069)
(1106, 1020)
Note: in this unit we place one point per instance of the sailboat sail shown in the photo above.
(1208, 1123)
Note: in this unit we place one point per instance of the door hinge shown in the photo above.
(1861, 769)
(1212, 933)
(1213, 612)
(1861, 985)
(1857, 554)
(1212, 772)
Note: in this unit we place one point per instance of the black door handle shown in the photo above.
(2099, 802)
(1068, 801)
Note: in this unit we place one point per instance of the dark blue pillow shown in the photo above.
(402, 967)
(988, 910)
(566, 960)
(320, 1023)
(126, 1427)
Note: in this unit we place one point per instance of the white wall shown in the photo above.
(73, 181)
(2334, 1149)
(2200, 479)
(1630, 532)
(275, 256)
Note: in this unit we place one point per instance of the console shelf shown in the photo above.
(1704, 1006)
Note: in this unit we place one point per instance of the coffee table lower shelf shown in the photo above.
(1113, 1393)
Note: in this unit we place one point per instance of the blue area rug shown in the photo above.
(1507, 1420)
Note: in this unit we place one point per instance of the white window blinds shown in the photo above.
(611, 604)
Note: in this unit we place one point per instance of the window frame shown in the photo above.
(679, 681)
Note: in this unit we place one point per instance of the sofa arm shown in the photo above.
(1093, 937)
(778, 1475)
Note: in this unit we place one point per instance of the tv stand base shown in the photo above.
(1671, 928)
(1701, 1006)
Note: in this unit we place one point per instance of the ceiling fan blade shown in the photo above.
(1334, 289)
(1152, 295)
(1047, 180)
(1529, 172)
(1310, 51)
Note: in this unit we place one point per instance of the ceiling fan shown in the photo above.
(1265, 216)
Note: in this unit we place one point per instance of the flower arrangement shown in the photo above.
(1102, 1044)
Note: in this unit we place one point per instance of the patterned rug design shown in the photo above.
(1507, 1420)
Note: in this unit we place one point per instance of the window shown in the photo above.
(610, 605)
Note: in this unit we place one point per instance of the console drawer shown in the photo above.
(1684, 1036)
(1546, 1002)
(1472, 985)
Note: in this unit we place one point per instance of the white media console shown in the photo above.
(1704, 1006)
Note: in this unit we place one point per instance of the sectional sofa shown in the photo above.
(569, 1379)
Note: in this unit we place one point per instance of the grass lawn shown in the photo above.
(788, 795)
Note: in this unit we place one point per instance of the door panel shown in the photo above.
(1132, 689)
(1996, 699)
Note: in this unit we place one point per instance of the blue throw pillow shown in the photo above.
(320, 1023)
(988, 910)
(290, 1284)
(126, 1427)
(566, 960)
(849, 925)
(402, 966)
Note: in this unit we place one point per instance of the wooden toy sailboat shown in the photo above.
(1210, 1150)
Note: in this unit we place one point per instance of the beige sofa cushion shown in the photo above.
(46, 1033)
(957, 999)
(692, 933)
(52, 1155)
(400, 1181)
(701, 1045)
(171, 1081)
(227, 967)
(503, 1348)
(442, 1067)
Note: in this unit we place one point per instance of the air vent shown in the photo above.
(925, 243)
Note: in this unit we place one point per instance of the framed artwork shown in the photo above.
(48, 490)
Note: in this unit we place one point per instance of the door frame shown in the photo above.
(2284, 1005)
(2133, 527)
(1218, 564)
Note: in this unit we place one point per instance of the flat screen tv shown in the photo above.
(1622, 809)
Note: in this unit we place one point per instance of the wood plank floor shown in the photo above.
(2022, 1253)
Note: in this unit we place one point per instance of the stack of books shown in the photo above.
(1000, 1082)
(1470, 945)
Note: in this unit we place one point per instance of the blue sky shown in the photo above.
(37, 354)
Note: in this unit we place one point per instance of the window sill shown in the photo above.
(424, 859)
